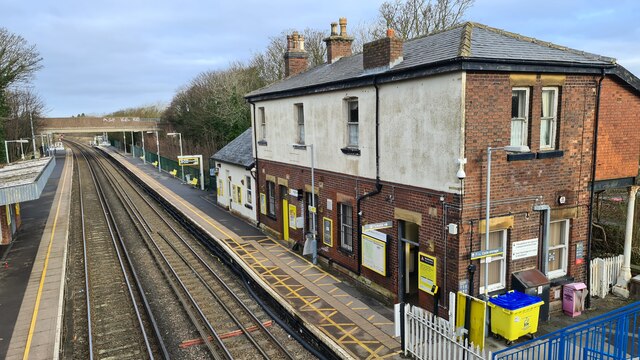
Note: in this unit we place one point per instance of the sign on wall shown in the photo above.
(374, 251)
(263, 204)
(293, 211)
(427, 273)
(524, 249)
(327, 231)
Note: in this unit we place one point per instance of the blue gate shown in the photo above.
(611, 336)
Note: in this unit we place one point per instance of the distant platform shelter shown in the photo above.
(19, 182)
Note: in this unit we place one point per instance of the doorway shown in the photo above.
(410, 240)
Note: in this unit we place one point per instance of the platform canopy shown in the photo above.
(24, 180)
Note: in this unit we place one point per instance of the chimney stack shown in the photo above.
(295, 58)
(383, 53)
(338, 45)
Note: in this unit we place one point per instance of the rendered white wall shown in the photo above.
(237, 174)
(420, 131)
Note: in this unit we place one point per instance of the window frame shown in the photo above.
(300, 130)
(249, 189)
(553, 119)
(263, 124)
(344, 227)
(553, 274)
(271, 199)
(525, 120)
(503, 267)
(352, 124)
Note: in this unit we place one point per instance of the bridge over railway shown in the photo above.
(98, 124)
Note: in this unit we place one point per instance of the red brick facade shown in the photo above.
(382, 52)
(618, 134)
(560, 181)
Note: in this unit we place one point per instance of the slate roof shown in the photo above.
(467, 41)
(238, 152)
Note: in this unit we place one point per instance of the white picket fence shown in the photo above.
(430, 337)
(604, 274)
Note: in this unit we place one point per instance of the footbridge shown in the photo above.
(98, 124)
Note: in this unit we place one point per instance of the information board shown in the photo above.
(524, 249)
(427, 273)
(374, 251)
(327, 231)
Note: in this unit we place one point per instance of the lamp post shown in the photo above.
(158, 147)
(6, 148)
(180, 140)
(33, 136)
(516, 149)
(144, 154)
(314, 243)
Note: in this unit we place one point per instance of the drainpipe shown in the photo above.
(545, 236)
(592, 192)
(378, 184)
(256, 176)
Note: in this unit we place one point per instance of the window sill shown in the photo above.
(248, 206)
(272, 217)
(345, 251)
(350, 151)
(262, 142)
(520, 157)
(548, 154)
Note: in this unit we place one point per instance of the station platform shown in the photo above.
(33, 273)
(349, 322)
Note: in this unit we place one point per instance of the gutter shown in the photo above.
(378, 188)
(592, 191)
(256, 176)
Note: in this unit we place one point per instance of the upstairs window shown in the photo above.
(299, 108)
(262, 123)
(352, 123)
(519, 116)
(549, 118)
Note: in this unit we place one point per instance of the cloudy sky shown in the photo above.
(103, 56)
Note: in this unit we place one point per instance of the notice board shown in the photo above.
(374, 251)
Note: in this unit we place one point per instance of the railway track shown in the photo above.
(229, 323)
(115, 306)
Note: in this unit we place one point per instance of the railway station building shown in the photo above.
(394, 147)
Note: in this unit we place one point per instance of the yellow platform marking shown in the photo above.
(188, 206)
(349, 303)
(370, 318)
(34, 317)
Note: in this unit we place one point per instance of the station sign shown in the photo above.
(188, 160)
(486, 253)
(377, 226)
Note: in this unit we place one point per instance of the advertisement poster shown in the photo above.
(293, 212)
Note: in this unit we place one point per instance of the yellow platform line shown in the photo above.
(34, 317)
(370, 318)
(196, 213)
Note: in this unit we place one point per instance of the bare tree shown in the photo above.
(148, 111)
(23, 105)
(270, 63)
(413, 18)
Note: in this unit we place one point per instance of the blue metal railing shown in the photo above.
(611, 336)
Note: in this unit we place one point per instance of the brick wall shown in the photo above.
(618, 133)
(340, 187)
(516, 186)
(338, 47)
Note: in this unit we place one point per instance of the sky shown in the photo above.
(104, 56)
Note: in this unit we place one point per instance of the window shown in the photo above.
(519, 116)
(346, 226)
(271, 199)
(263, 124)
(496, 264)
(352, 123)
(548, 118)
(300, 122)
(558, 245)
(247, 180)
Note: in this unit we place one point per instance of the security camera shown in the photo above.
(461, 174)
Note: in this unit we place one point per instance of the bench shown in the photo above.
(194, 182)
(155, 163)
(173, 172)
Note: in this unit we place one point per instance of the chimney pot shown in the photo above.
(295, 58)
(343, 26)
(334, 28)
(301, 43)
(391, 33)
